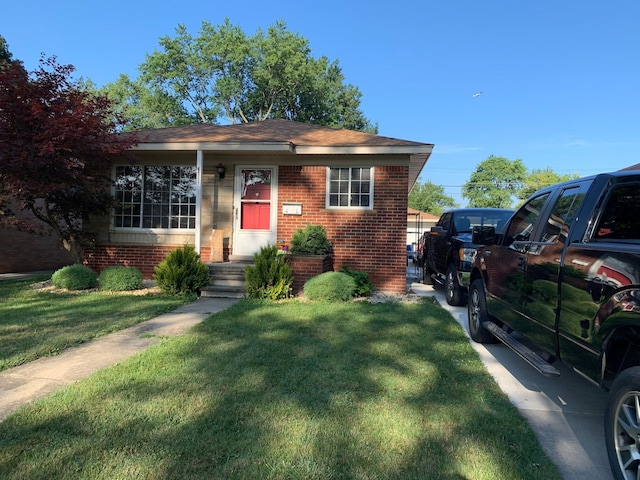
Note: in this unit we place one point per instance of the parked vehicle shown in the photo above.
(447, 250)
(561, 282)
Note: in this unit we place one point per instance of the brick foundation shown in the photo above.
(144, 257)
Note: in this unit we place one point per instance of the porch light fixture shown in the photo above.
(221, 170)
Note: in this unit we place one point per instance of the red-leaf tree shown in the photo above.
(58, 140)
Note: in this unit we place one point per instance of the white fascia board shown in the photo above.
(364, 150)
(216, 146)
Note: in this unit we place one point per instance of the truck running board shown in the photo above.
(531, 357)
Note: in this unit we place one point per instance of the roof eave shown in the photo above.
(416, 164)
(363, 149)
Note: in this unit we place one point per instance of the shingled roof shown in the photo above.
(271, 131)
(284, 136)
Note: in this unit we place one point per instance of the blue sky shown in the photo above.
(560, 80)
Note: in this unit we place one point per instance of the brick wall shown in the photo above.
(368, 241)
(27, 252)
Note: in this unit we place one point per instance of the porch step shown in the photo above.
(227, 280)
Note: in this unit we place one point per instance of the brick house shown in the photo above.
(27, 252)
(229, 190)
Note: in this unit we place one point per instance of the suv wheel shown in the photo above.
(477, 310)
(452, 289)
(622, 425)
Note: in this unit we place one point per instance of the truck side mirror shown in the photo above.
(483, 235)
(436, 231)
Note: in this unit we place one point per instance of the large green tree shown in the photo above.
(539, 178)
(57, 146)
(144, 108)
(431, 198)
(222, 73)
(495, 183)
(5, 54)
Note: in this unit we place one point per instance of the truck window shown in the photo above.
(445, 222)
(521, 226)
(462, 225)
(562, 215)
(619, 219)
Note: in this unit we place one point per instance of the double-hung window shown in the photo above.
(350, 187)
(155, 197)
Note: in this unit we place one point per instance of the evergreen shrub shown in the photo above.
(119, 278)
(330, 287)
(74, 277)
(364, 287)
(311, 240)
(181, 272)
(270, 277)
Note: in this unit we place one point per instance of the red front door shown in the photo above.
(254, 209)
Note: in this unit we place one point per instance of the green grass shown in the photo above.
(36, 323)
(292, 390)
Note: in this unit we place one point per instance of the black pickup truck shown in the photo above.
(447, 250)
(561, 282)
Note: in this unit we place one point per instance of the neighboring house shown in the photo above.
(26, 252)
(230, 190)
(417, 223)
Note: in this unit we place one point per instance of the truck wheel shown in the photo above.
(452, 289)
(477, 311)
(622, 425)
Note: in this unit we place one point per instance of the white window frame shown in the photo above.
(349, 206)
(140, 227)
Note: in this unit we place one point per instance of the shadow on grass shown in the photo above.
(294, 390)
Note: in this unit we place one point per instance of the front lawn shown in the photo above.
(38, 322)
(292, 390)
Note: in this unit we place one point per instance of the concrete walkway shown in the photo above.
(566, 413)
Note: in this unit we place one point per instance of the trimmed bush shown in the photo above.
(270, 277)
(75, 277)
(330, 287)
(181, 272)
(364, 287)
(119, 278)
(311, 240)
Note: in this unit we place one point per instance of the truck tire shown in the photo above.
(622, 423)
(477, 311)
(452, 289)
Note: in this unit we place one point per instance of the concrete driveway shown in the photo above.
(566, 413)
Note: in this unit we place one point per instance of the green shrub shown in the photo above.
(181, 272)
(270, 277)
(330, 287)
(119, 278)
(74, 277)
(364, 287)
(311, 240)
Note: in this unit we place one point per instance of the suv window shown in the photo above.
(521, 226)
(619, 219)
